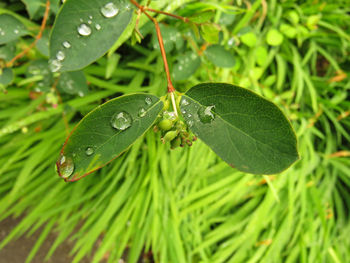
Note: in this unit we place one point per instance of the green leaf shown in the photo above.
(274, 37)
(202, 17)
(219, 56)
(170, 38)
(40, 68)
(73, 82)
(43, 43)
(186, 66)
(105, 133)
(10, 28)
(244, 129)
(8, 51)
(6, 76)
(210, 33)
(85, 30)
(249, 39)
(36, 8)
(288, 31)
(261, 55)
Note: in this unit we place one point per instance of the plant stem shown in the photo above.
(161, 45)
(38, 36)
(184, 19)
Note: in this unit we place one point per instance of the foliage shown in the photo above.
(186, 205)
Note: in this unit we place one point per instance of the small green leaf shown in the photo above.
(210, 33)
(220, 57)
(8, 51)
(245, 130)
(202, 17)
(288, 30)
(170, 37)
(6, 76)
(73, 82)
(85, 30)
(105, 133)
(186, 65)
(249, 39)
(10, 28)
(274, 37)
(261, 55)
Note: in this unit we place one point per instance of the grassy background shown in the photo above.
(186, 205)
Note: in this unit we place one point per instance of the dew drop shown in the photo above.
(89, 22)
(142, 112)
(205, 115)
(184, 102)
(60, 55)
(109, 10)
(90, 17)
(183, 112)
(121, 121)
(89, 151)
(55, 65)
(66, 166)
(190, 123)
(84, 30)
(66, 44)
(16, 31)
(189, 115)
(98, 26)
(148, 100)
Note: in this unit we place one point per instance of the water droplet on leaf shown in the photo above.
(205, 115)
(121, 120)
(190, 123)
(184, 102)
(89, 151)
(55, 65)
(170, 115)
(142, 112)
(97, 26)
(84, 30)
(109, 10)
(66, 44)
(148, 100)
(60, 55)
(16, 31)
(66, 166)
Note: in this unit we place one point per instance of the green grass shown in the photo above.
(186, 205)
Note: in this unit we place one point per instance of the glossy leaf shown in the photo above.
(244, 129)
(85, 30)
(73, 83)
(105, 133)
(219, 56)
(186, 66)
(10, 28)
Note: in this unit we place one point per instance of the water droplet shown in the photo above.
(121, 120)
(97, 26)
(81, 20)
(16, 31)
(90, 17)
(81, 94)
(184, 102)
(109, 10)
(60, 55)
(183, 112)
(205, 115)
(170, 115)
(189, 115)
(66, 44)
(84, 30)
(142, 112)
(89, 22)
(55, 65)
(66, 166)
(190, 123)
(89, 151)
(148, 100)
(180, 68)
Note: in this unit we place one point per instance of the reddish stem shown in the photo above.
(160, 41)
(38, 36)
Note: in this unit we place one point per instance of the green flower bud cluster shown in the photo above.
(173, 129)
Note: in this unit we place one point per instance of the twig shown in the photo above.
(38, 36)
(161, 45)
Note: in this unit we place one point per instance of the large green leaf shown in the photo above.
(244, 129)
(10, 28)
(105, 133)
(85, 30)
